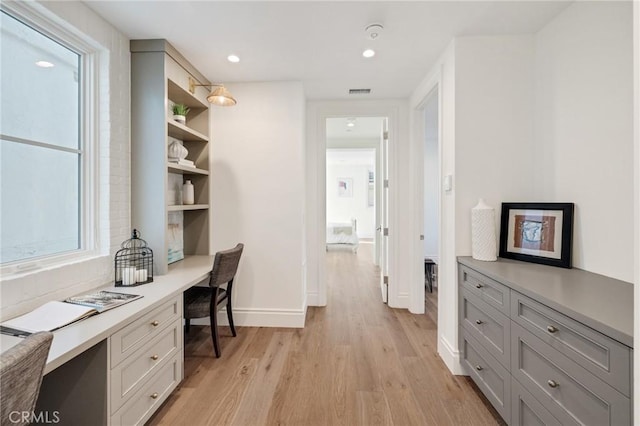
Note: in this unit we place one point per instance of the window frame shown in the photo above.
(40, 19)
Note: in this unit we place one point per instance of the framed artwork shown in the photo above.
(345, 187)
(175, 237)
(537, 232)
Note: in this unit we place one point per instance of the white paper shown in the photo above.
(50, 316)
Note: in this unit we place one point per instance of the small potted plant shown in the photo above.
(180, 112)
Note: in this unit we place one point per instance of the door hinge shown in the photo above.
(385, 232)
(421, 237)
(386, 183)
(385, 280)
(385, 135)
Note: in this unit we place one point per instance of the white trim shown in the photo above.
(313, 299)
(254, 317)
(451, 356)
(636, 214)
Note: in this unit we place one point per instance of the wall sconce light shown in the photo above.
(219, 94)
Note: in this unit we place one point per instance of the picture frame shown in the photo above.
(345, 187)
(537, 233)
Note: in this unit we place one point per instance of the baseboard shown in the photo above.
(313, 299)
(401, 301)
(451, 357)
(288, 318)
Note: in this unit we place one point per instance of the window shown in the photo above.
(43, 154)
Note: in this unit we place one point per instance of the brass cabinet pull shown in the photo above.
(479, 322)
(155, 323)
(553, 384)
(154, 357)
(154, 395)
(551, 329)
(479, 367)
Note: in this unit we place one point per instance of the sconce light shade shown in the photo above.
(221, 96)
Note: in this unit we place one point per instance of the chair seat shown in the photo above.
(197, 301)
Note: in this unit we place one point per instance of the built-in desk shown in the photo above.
(84, 363)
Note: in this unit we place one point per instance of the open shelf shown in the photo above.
(178, 95)
(184, 133)
(186, 170)
(185, 207)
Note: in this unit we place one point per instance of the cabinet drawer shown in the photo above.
(570, 392)
(492, 378)
(490, 291)
(606, 358)
(488, 325)
(130, 374)
(129, 339)
(144, 403)
(526, 410)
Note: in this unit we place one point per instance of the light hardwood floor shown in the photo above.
(356, 362)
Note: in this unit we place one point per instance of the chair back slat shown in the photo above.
(225, 265)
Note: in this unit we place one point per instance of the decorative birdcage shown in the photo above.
(134, 262)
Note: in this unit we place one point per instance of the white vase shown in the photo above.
(187, 193)
(180, 119)
(177, 151)
(483, 232)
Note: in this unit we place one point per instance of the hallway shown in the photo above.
(355, 362)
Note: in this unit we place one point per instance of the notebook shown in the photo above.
(56, 314)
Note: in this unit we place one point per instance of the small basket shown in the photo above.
(133, 262)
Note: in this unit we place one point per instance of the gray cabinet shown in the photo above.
(546, 365)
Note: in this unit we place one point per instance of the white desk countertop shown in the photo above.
(76, 338)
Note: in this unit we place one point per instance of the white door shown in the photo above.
(384, 223)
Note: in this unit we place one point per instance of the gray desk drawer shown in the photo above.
(491, 377)
(526, 410)
(129, 375)
(490, 291)
(570, 393)
(488, 325)
(132, 337)
(144, 403)
(606, 358)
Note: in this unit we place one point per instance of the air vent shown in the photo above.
(359, 91)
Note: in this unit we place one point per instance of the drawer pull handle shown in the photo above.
(154, 357)
(155, 323)
(479, 367)
(479, 322)
(154, 395)
(551, 329)
(479, 285)
(553, 384)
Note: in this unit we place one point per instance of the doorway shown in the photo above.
(354, 194)
(431, 202)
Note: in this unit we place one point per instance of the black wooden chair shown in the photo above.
(200, 302)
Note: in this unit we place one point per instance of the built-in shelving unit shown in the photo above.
(159, 79)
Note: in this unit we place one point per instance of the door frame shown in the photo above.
(315, 211)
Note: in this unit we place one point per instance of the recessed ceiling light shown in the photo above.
(369, 53)
(44, 64)
(352, 124)
(233, 58)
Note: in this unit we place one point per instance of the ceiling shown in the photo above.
(363, 128)
(351, 157)
(320, 42)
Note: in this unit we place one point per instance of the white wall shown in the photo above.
(494, 127)
(431, 178)
(27, 291)
(342, 209)
(636, 214)
(257, 197)
(584, 129)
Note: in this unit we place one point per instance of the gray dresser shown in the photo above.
(546, 345)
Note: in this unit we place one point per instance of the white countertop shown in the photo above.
(76, 338)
